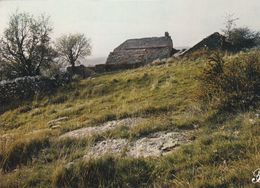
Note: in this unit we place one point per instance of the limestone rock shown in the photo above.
(155, 145)
(89, 131)
(111, 146)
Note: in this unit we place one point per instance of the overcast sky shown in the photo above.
(110, 22)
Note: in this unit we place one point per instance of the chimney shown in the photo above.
(166, 34)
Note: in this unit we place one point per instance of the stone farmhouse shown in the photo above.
(142, 51)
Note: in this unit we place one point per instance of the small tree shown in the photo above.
(230, 24)
(71, 47)
(239, 37)
(244, 38)
(25, 46)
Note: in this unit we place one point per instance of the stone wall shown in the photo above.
(82, 71)
(103, 68)
(26, 87)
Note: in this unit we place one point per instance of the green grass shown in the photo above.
(224, 152)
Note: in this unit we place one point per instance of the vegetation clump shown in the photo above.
(106, 172)
(232, 83)
(22, 152)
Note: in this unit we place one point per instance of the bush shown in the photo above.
(6, 72)
(243, 38)
(232, 84)
(202, 53)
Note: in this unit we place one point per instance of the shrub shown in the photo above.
(58, 99)
(243, 38)
(202, 53)
(6, 71)
(232, 84)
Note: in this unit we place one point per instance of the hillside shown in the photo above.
(40, 147)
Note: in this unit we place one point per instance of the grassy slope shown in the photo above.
(225, 150)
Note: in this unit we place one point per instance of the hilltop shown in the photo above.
(43, 143)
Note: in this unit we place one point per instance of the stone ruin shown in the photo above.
(215, 41)
(142, 51)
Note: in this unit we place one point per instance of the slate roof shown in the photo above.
(146, 43)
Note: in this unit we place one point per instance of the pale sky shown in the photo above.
(110, 22)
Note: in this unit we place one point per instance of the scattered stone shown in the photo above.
(70, 164)
(56, 122)
(252, 121)
(196, 126)
(158, 62)
(56, 127)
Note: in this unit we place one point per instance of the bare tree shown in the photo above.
(72, 47)
(230, 24)
(240, 37)
(25, 46)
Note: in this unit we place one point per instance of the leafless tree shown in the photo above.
(230, 24)
(25, 45)
(72, 47)
(240, 37)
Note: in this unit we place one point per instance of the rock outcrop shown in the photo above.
(154, 145)
(142, 51)
(110, 125)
